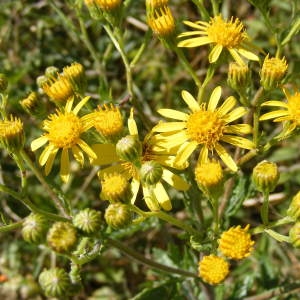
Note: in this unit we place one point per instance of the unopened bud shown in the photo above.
(88, 220)
(34, 228)
(118, 215)
(129, 148)
(238, 76)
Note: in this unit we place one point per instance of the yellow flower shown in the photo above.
(230, 35)
(213, 269)
(75, 74)
(161, 21)
(58, 89)
(236, 242)
(64, 130)
(289, 113)
(155, 195)
(108, 121)
(205, 125)
(108, 5)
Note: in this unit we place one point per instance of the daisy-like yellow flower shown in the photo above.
(236, 242)
(289, 112)
(222, 34)
(155, 195)
(63, 132)
(206, 126)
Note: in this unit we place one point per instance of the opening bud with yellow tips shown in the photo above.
(272, 72)
(265, 176)
(51, 72)
(295, 235)
(294, 208)
(32, 104)
(151, 172)
(76, 75)
(12, 134)
(239, 76)
(115, 188)
(129, 148)
(118, 215)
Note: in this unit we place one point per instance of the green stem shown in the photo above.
(30, 205)
(209, 74)
(140, 258)
(10, 227)
(42, 180)
(203, 12)
(265, 209)
(283, 221)
(215, 5)
(164, 216)
(19, 161)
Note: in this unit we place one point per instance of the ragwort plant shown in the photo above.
(111, 163)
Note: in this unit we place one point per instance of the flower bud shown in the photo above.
(209, 177)
(115, 188)
(272, 72)
(129, 148)
(62, 237)
(153, 4)
(51, 72)
(12, 134)
(294, 208)
(265, 176)
(34, 228)
(88, 220)
(118, 215)
(238, 76)
(41, 80)
(295, 235)
(109, 5)
(75, 74)
(151, 172)
(32, 104)
(3, 83)
(55, 282)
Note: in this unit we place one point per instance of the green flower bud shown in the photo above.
(115, 188)
(3, 83)
(129, 148)
(51, 72)
(118, 215)
(62, 237)
(75, 74)
(88, 220)
(41, 80)
(151, 172)
(239, 77)
(295, 235)
(12, 134)
(294, 208)
(34, 228)
(265, 176)
(55, 282)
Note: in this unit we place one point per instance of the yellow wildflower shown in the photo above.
(289, 113)
(236, 242)
(213, 269)
(222, 34)
(64, 130)
(206, 126)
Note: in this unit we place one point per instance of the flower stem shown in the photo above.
(265, 209)
(10, 227)
(140, 258)
(42, 180)
(166, 217)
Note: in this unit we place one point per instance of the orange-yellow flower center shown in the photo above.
(64, 130)
(205, 127)
(294, 107)
(228, 34)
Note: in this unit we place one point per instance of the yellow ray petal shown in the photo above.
(185, 152)
(203, 156)
(194, 42)
(284, 118)
(214, 98)
(173, 140)
(236, 56)
(274, 114)
(174, 180)
(238, 141)
(78, 155)
(50, 160)
(215, 53)
(133, 130)
(150, 200)
(39, 142)
(275, 103)
(45, 154)
(173, 114)
(81, 104)
(190, 101)
(228, 105)
(248, 54)
(226, 158)
(235, 114)
(65, 165)
(238, 129)
(69, 104)
(191, 33)
(106, 154)
(169, 126)
(87, 149)
(135, 186)
(162, 196)
(195, 25)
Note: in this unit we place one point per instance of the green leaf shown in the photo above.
(262, 5)
(277, 236)
(292, 32)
